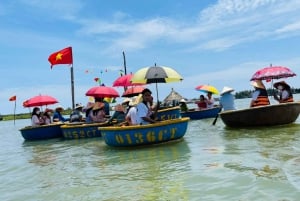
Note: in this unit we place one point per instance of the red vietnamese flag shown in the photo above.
(63, 56)
(13, 98)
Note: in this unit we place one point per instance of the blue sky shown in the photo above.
(221, 43)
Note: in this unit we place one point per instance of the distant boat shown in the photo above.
(43, 132)
(128, 136)
(270, 115)
(201, 114)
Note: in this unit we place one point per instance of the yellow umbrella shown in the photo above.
(156, 74)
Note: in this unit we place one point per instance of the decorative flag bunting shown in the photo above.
(63, 56)
(13, 98)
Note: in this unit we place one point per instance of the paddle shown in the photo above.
(216, 118)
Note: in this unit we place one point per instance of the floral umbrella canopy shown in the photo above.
(156, 74)
(272, 72)
(39, 100)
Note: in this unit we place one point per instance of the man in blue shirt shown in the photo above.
(227, 99)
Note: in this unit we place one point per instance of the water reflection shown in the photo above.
(271, 145)
(157, 172)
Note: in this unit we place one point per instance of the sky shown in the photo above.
(220, 43)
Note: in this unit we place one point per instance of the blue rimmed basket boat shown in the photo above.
(202, 114)
(82, 130)
(168, 113)
(43, 132)
(128, 136)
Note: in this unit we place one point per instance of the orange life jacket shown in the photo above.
(262, 98)
(289, 99)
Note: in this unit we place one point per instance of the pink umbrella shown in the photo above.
(125, 81)
(39, 100)
(133, 91)
(102, 92)
(272, 72)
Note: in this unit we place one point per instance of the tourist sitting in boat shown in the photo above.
(201, 103)
(57, 116)
(260, 95)
(183, 105)
(77, 115)
(144, 112)
(87, 110)
(118, 115)
(98, 114)
(47, 116)
(36, 119)
(285, 93)
(131, 116)
(125, 104)
(106, 105)
(209, 100)
(227, 99)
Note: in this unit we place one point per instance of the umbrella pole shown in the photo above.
(157, 94)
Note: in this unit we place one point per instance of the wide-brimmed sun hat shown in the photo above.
(182, 101)
(48, 110)
(226, 90)
(126, 100)
(98, 106)
(135, 100)
(59, 108)
(258, 84)
(78, 105)
(283, 83)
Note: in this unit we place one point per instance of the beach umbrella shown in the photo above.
(133, 91)
(125, 81)
(272, 72)
(39, 100)
(102, 92)
(156, 74)
(207, 88)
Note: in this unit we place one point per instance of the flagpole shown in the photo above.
(72, 87)
(15, 112)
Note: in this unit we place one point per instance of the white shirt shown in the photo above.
(142, 111)
(210, 103)
(132, 114)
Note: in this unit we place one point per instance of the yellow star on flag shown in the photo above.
(59, 56)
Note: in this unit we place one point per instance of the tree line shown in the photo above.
(248, 93)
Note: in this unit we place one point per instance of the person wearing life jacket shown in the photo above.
(260, 95)
(285, 93)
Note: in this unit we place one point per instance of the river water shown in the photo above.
(209, 163)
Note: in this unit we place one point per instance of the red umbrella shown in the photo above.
(133, 91)
(102, 92)
(124, 81)
(272, 72)
(39, 100)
